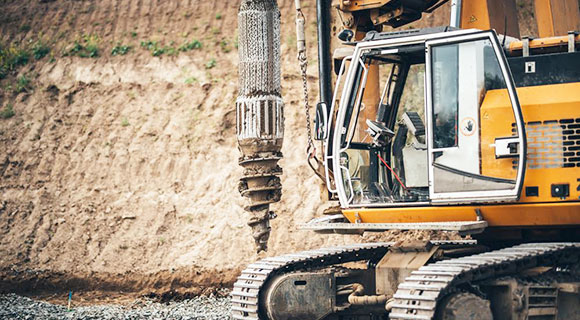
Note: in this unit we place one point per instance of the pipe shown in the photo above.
(357, 298)
(455, 19)
(324, 54)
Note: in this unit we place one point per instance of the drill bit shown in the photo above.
(260, 112)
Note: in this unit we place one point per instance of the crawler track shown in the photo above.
(246, 292)
(417, 297)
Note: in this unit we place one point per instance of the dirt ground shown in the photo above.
(119, 173)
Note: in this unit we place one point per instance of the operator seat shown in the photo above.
(413, 155)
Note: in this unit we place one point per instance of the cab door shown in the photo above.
(476, 136)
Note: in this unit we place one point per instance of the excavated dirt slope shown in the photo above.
(119, 172)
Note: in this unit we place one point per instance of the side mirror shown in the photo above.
(321, 121)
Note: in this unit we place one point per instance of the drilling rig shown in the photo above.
(260, 112)
(468, 128)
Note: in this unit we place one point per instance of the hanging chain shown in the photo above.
(303, 60)
(311, 147)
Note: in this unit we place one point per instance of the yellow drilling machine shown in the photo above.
(467, 128)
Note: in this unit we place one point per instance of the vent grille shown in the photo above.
(553, 144)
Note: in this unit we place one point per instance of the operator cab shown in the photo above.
(424, 134)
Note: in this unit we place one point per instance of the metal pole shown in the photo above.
(455, 19)
(324, 63)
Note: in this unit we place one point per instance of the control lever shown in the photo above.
(379, 132)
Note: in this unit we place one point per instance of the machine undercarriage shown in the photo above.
(434, 280)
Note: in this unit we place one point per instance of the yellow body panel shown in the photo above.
(490, 14)
(500, 215)
(556, 17)
(539, 104)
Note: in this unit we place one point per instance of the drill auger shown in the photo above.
(260, 112)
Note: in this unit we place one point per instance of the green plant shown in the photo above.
(156, 50)
(92, 52)
(210, 64)
(24, 28)
(170, 50)
(190, 80)
(149, 45)
(187, 46)
(225, 46)
(21, 57)
(86, 47)
(40, 49)
(12, 57)
(7, 112)
(22, 84)
(125, 122)
(121, 49)
(218, 16)
(133, 34)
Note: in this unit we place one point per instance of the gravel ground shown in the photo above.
(22, 308)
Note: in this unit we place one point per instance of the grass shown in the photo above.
(157, 50)
(14, 56)
(149, 45)
(24, 28)
(40, 49)
(224, 45)
(85, 47)
(22, 84)
(210, 64)
(7, 112)
(11, 58)
(125, 122)
(121, 49)
(191, 45)
(190, 80)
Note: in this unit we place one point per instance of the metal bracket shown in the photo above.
(526, 46)
(461, 227)
(572, 41)
(478, 214)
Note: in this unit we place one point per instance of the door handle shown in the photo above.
(507, 147)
